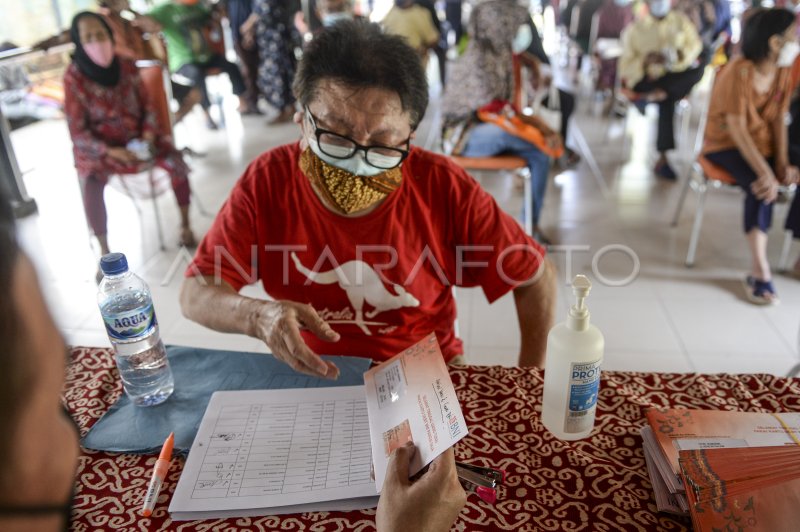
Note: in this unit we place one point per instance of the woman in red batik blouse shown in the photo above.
(107, 108)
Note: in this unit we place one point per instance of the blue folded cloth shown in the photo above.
(199, 373)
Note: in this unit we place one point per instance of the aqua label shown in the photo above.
(131, 324)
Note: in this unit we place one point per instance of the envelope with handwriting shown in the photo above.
(410, 397)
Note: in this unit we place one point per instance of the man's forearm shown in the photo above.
(218, 306)
(536, 311)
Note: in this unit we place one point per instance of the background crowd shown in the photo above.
(637, 53)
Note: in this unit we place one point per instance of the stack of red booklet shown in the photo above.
(728, 470)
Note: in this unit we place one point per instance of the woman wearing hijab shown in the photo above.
(106, 109)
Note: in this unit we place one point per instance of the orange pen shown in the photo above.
(159, 474)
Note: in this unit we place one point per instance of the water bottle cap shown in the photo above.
(114, 264)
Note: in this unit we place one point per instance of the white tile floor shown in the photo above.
(668, 318)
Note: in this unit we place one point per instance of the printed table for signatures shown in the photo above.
(599, 483)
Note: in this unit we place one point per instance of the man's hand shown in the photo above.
(123, 155)
(765, 187)
(654, 65)
(428, 504)
(278, 324)
(654, 58)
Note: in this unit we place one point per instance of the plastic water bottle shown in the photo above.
(127, 310)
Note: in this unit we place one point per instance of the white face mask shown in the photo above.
(788, 54)
(622, 3)
(660, 8)
(356, 164)
(522, 40)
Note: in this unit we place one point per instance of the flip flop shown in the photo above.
(757, 291)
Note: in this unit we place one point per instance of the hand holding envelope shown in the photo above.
(410, 398)
(431, 502)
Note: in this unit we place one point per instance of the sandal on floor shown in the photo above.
(760, 292)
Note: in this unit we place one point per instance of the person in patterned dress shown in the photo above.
(106, 108)
(272, 28)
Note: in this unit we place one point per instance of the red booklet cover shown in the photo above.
(751, 489)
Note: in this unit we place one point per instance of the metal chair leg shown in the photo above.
(527, 199)
(687, 184)
(685, 110)
(783, 265)
(698, 223)
(154, 198)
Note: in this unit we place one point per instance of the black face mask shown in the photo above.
(44, 510)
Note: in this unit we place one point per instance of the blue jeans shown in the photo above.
(486, 140)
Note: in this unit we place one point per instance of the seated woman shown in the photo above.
(746, 131)
(106, 109)
(483, 75)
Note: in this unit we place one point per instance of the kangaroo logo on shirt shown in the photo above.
(370, 290)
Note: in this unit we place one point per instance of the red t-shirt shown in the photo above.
(383, 281)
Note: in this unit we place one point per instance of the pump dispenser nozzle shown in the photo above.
(579, 313)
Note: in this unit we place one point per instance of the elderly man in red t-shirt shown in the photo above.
(358, 236)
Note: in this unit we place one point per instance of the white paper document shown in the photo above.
(278, 451)
(411, 397)
(265, 452)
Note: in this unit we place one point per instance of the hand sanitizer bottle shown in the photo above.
(572, 370)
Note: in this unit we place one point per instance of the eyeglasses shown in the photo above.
(341, 147)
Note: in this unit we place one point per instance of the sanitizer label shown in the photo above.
(131, 324)
(584, 384)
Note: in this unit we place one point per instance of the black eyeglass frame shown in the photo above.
(318, 132)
